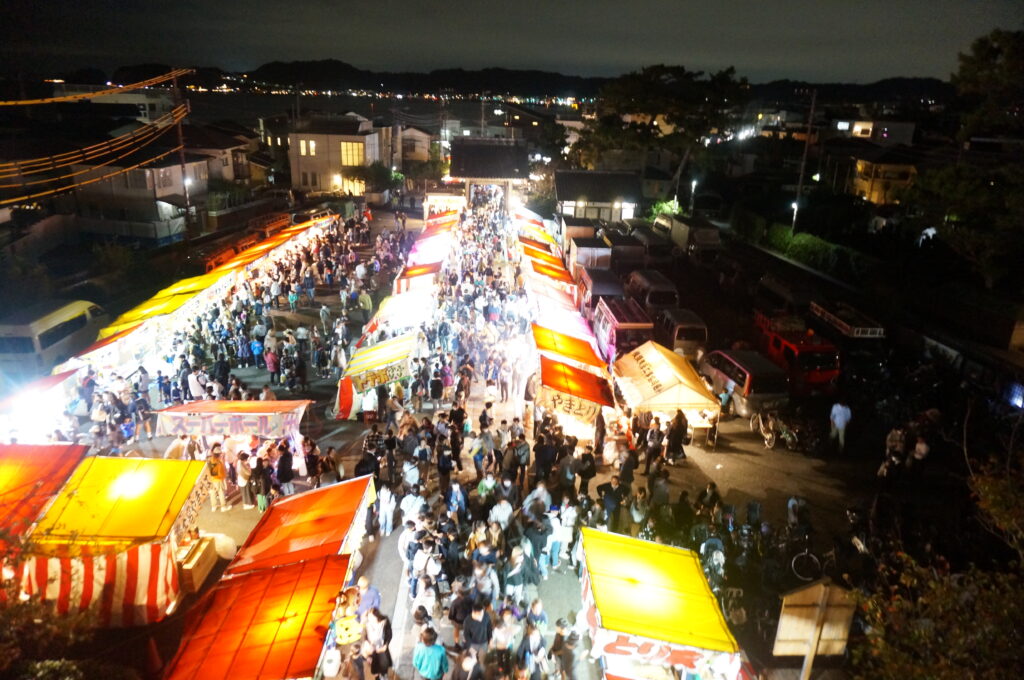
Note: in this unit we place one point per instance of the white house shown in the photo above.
(321, 152)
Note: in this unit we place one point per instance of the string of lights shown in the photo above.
(176, 73)
(29, 197)
(91, 152)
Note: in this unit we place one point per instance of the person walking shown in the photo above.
(218, 481)
(429, 658)
(285, 473)
(377, 628)
(262, 485)
(245, 481)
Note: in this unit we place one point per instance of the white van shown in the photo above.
(35, 339)
(681, 330)
(652, 290)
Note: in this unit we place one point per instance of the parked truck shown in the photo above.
(694, 238)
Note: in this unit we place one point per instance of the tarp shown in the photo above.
(569, 391)
(111, 504)
(544, 293)
(528, 216)
(557, 273)
(535, 244)
(654, 378)
(268, 419)
(304, 526)
(564, 321)
(566, 346)
(268, 624)
(382, 363)
(30, 476)
(636, 592)
(534, 232)
(542, 256)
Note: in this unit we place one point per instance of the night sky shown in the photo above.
(820, 40)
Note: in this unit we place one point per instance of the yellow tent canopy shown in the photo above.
(382, 354)
(115, 503)
(653, 591)
(149, 309)
(654, 378)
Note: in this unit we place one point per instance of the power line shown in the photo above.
(89, 95)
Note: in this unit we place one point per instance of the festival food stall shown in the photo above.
(572, 395)
(656, 379)
(266, 623)
(371, 366)
(651, 614)
(542, 256)
(30, 476)
(401, 312)
(434, 247)
(438, 205)
(567, 348)
(557, 275)
(327, 521)
(417, 277)
(113, 539)
(31, 414)
(542, 246)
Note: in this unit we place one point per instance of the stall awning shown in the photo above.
(573, 392)
(556, 273)
(29, 477)
(528, 216)
(149, 309)
(414, 271)
(654, 378)
(565, 321)
(433, 248)
(544, 293)
(111, 504)
(653, 591)
(191, 285)
(566, 346)
(107, 341)
(268, 419)
(302, 527)
(536, 233)
(404, 310)
(381, 363)
(265, 624)
(533, 243)
(542, 256)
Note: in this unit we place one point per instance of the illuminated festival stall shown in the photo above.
(265, 419)
(369, 367)
(568, 348)
(31, 414)
(573, 395)
(30, 477)
(113, 538)
(556, 275)
(656, 379)
(267, 623)
(651, 614)
(417, 277)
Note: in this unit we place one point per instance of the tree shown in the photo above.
(990, 81)
(670, 207)
(977, 212)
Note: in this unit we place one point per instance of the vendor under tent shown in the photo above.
(30, 476)
(262, 625)
(31, 414)
(573, 395)
(113, 538)
(656, 379)
(371, 366)
(563, 347)
(307, 526)
(400, 312)
(417, 277)
(651, 613)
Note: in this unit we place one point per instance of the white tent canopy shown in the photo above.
(654, 378)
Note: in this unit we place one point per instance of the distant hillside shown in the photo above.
(334, 74)
(889, 89)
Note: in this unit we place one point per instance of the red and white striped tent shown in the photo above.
(108, 541)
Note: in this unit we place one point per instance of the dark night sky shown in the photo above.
(821, 40)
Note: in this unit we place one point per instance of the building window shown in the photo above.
(224, 162)
(302, 148)
(351, 153)
(279, 141)
(312, 179)
(305, 179)
(312, 147)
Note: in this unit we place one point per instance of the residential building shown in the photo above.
(416, 143)
(881, 132)
(228, 155)
(322, 152)
(877, 174)
(598, 194)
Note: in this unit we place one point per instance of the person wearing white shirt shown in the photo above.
(840, 418)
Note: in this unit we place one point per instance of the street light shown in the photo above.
(795, 206)
(693, 193)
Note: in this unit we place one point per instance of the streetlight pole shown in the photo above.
(803, 160)
(693, 194)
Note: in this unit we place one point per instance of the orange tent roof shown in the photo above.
(575, 382)
(566, 346)
(421, 270)
(304, 526)
(222, 406)
(542, 256)
(556, 273)
(534, 243)
(267, 624)
(30, 476)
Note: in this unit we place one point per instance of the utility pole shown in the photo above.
(803, 160)
(181, 160)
